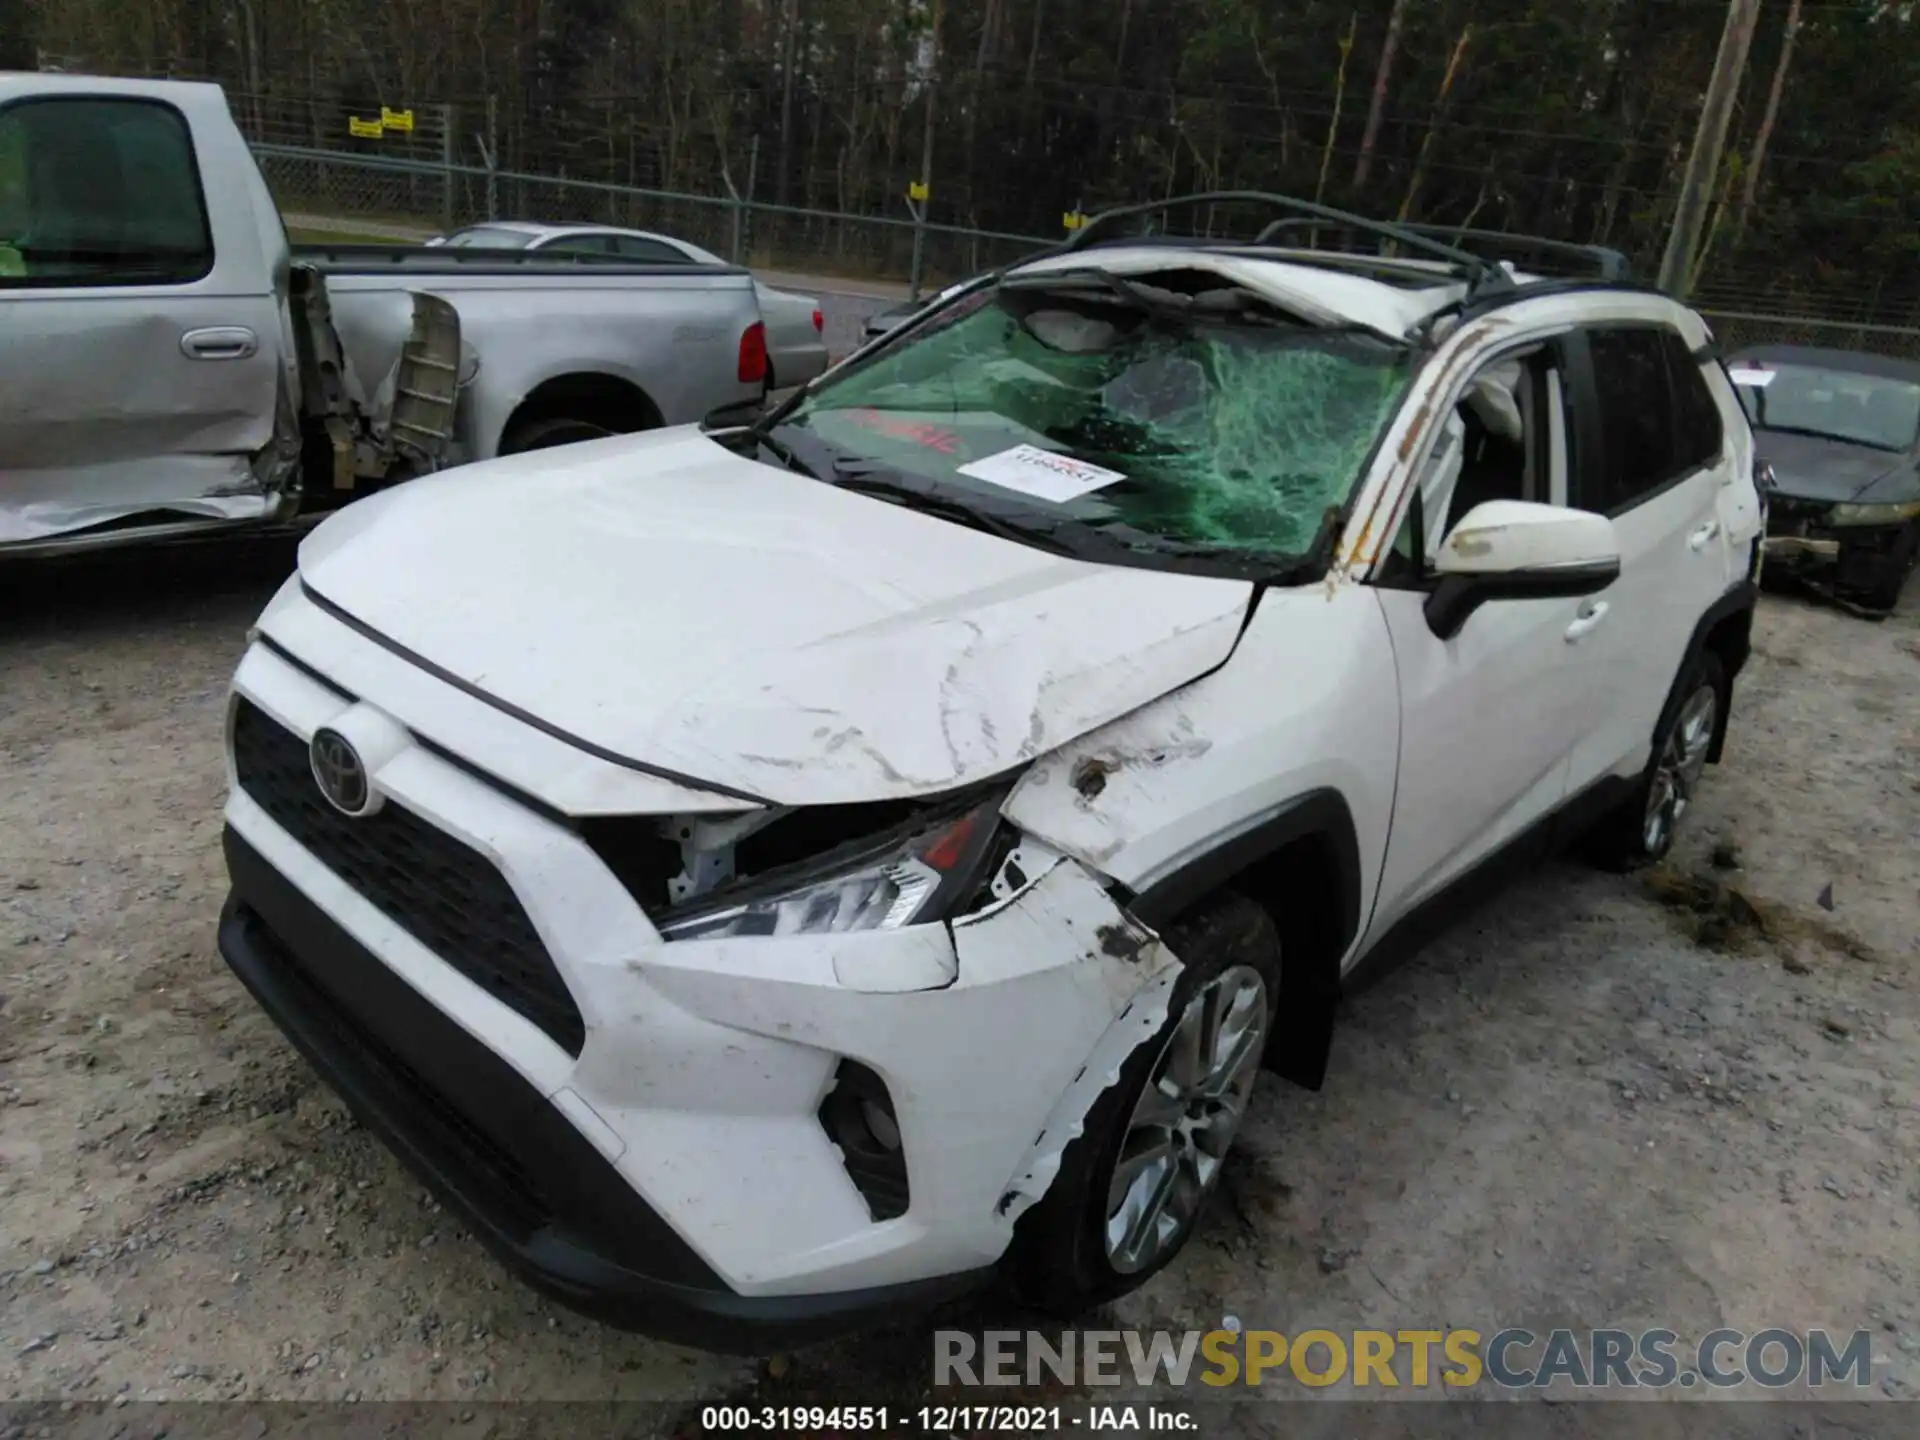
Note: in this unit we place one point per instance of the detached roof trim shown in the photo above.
(1324, 295)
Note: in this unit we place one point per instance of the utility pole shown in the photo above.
(789, 45)
(923, 187)
(1709, 141)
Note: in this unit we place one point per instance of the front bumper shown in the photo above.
(1847, 557)
(531, 1187)
(693, 1072)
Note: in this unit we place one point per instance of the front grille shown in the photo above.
(449, 897)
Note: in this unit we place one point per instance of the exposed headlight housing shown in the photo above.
(1892, 514)
(908, 879)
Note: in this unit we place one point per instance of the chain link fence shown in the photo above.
(348, 173)
(379, 173)
(391, 197)
(1738, 329)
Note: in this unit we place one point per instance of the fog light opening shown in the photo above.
(858, 1116)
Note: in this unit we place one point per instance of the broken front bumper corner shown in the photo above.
(1792, 549)
(1850, 559)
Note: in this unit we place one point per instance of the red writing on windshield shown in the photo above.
(933, 437)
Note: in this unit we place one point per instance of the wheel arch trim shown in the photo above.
(1321, 814)
(1301, 1039)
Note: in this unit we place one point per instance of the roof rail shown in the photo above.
(1600, 263)
(1481, 274)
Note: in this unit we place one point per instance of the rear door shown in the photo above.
(1650, 451)
(139, 361)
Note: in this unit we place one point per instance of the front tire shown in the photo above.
(1884, 594)
(1132, 1188)
(1641, 832)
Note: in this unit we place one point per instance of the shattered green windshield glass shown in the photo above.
(1197, 432)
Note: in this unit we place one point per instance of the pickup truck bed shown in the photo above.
(547, 315)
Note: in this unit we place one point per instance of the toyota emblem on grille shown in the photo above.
(338, 771)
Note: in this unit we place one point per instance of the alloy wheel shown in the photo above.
(1186, 1118)
(1683, 759)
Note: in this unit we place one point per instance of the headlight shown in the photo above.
(1874, 514)
(906, 881)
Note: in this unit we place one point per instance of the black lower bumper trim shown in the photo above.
(532, 1188)
(1864, 558)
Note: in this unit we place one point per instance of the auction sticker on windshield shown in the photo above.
(1041, 474)
(1748, 375)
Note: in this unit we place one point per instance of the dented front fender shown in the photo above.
(991, 1072)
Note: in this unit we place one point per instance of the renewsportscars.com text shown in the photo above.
(1509, 1359)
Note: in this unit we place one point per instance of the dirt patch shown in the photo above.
(1715, 913)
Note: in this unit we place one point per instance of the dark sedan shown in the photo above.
(1841, 431)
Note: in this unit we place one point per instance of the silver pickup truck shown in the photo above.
(169, 363)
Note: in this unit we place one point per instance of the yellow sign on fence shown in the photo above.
(1073, 220)
(365, 129)
(401, 120)
(917, 190)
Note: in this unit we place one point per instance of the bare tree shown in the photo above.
(1339, 95)
(1419, 176)
(1758, 156)
(1382, 77)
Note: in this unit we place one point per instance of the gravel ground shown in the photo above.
(1598, 1102)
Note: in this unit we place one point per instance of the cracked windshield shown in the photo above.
(1184, 415)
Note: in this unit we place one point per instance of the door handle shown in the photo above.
(1587, 621)
(1701, 538)
(220, 342)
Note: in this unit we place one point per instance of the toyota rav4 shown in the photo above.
(768, 877)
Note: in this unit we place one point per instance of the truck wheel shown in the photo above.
(1641, 831)
(545, 434)
(1133, 1185)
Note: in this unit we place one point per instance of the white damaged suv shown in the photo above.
(766, 878)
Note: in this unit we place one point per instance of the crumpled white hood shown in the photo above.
(663, 599)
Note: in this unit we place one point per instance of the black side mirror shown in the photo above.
(1518, 550)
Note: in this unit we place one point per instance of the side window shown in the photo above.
(1503, 440)
(99, 192)
(648, 252)
(581, 245)
(1699, 436)
(1651, 427)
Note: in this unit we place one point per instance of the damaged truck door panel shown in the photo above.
(171, 365)
(944, 796)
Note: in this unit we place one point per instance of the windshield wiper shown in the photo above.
(784, 453)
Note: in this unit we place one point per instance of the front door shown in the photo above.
(1491, 717)
(138, 374)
